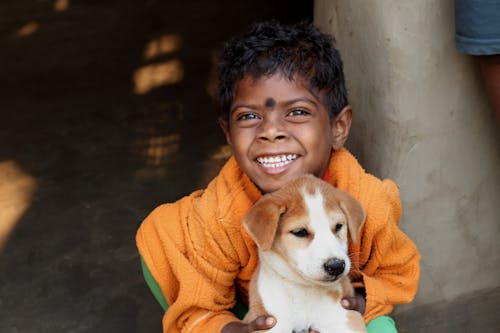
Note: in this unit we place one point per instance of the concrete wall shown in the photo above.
(422, 119)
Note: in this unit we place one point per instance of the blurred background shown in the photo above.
(105, 113)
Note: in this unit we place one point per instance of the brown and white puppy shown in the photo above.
(301, 232)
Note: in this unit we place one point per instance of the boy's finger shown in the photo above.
(349, 303)
(261, 323)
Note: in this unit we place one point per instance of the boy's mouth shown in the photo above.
(276, 161)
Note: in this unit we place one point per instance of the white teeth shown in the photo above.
(276, 161)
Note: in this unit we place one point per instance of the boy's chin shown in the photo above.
(267, 182)
(268, 189)
(272, 185)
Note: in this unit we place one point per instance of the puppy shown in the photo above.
(302, 239)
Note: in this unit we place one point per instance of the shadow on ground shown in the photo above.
(104, 114)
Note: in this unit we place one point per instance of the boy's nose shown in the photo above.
(272, 129)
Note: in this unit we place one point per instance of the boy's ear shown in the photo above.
(225, 128)
(340, 126)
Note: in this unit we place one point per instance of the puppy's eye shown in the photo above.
(338, 227)
(300, 233)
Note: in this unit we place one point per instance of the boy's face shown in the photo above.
(279, 130)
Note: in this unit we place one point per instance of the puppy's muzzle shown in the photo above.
(334, 267)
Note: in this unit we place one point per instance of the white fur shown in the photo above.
(324, 246)
(297, 309)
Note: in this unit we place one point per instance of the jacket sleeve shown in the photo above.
(194, 263)
(390, 260)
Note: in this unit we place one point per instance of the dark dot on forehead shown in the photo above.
(270, 102)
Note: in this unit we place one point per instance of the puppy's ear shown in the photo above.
(262, 220)
(354, 212)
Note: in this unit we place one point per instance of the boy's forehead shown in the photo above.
(273, 89)
(295, 79)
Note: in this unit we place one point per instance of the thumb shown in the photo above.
(261, 323)
(349, 303)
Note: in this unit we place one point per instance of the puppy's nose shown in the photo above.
(334, 266)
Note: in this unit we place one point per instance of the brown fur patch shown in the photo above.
(262, 221)
(347, 289)
(355, 321)
(334, 294)
(340, 201)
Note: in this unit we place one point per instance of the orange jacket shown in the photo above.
(200, 255)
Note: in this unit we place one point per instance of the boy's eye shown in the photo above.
(246, 116)
(301, 233)
(298, 112)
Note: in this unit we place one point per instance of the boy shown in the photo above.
(284, 111)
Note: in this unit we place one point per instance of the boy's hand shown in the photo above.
(260, 323)
(357, 303)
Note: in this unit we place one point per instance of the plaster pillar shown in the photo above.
(421, 118)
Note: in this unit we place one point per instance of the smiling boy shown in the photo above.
(278, 129)
(284, 111)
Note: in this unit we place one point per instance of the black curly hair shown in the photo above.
(291, 50)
